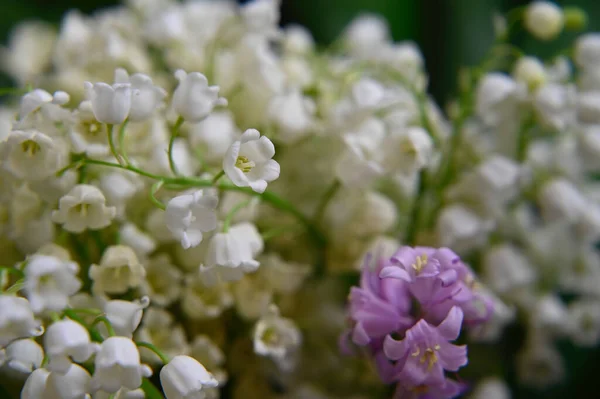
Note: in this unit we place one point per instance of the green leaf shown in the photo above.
(150, 390)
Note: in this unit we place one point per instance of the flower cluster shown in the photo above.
(407, 311)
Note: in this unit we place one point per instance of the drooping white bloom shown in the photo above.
(65, 340)
(530, 71)
(36, 99)
(49, 282)
(16, 319)
(276, 337)
(188, 216)
(248, 161)
(117, 365)
(84, 207)
(544, 20)
(125, 316)
(407, 151)
(145, 95)
(31, 155)
(163, 280)
(184, 377)
(87, 134)
(23, 356)
(73, 384)
(35, 385)
(210, 356)
(193, 99)
(110, 104)
(119, 270)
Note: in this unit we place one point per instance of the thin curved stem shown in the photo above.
(218, 176)
(155, 187)
(122, 141)
(107, 324)
(163, 357)
(326, 199)
(232, 213)
(174, 134)
(111, 143)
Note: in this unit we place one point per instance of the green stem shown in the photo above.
(232, 213)
(107, 324)
(163, 357)
(111, 143)
(417, 209)
(150, 390)
(174, 134)
(327, 197)
(122, 141)
(153, 190)
(93, 312)
(16, 287)
(218, 176)
(524, 137)
(18, 273)
(96, 337)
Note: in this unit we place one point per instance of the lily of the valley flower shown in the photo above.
(35, 385)
(119, 270)
(193, 98)
(110, 104)
(188, 216)
(184, 377)
(65, 340)
(73, 384)
(145, 96)
(23, 355)
(16, 319)
(84, 207)
(249, 163)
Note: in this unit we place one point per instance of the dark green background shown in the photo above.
(450, 33)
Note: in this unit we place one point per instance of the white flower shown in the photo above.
(35, 385)
(407, 151)
(119, 270)
(49, 282)
(200, 300)
(117, 364)
(65, 340)
(213, 136)
(31, 155)
(141, 242)
(145, 95)
(84, 207)
(293, 114)
(23, 355)
(461, 229)
(210, 355)
(125, 316)
(491, 388)
(16, 319)
(261, 16)
(73, 384)
(549, 315)
(110, 104)
(555, 105)
(496, 98)
(530, 71)
(285, 277)
(587, 51)
(248, 161)
(544, 20)
(276, 337)
(297, 39)
(506, 268)
(252, 296)
(366, 34)
(158, 329)
(36, 99)
(122, 393)
(193, 99)
(188, 216)
(163, 280)
(87, 134)
(560, 200)
(183, 377)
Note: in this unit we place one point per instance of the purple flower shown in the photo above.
(425, 353)
(378, 307)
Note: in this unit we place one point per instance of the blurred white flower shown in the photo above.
(193, 99)
(188, 216)
(110, 104)
(84, 207)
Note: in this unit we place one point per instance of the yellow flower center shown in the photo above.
(30, 147)
(427, 356)
(244, 164)
(420, 263)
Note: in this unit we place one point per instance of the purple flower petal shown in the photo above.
(449, 328)
(394, 272)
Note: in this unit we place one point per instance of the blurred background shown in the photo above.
(450, 33)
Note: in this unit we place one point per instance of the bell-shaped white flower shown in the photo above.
(145, 95)
(31, 155)
(73, 384)
(530, 71)
(87, 134)
(117, 364)
(407, 151)
(544, 19)
(210, 355)
(141, 242)
(496, 98)
(584, 318)
(49, 282)
(16, 319)
(188, 216)
(193, 98)
(366, 34)
(125, 316)
(119, 270)
(84, 207)
(110, 104)
(276, 337)
(35, 385)
(249, 163)
(65, 340)
(23, 356)
(163, 280)
(184, 377)
(202, 298)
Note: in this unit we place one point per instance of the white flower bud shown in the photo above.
(110, 104)
(31, 155)
(24, 355)
(125, 316)
(119, 270)
(49, 282)
(117, 364)
(248, 161)
(587, 50)
(65, 340)
(35, 385)
(530, 71)
(366, 34)
(183, 377)
(298, 40)
(84, 207)
(188, 216)
(193, 99)
(73, 384)
(16, 319)
(544, 20)
(506, 268)
(145, 96)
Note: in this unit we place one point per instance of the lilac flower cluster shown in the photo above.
(407, 311)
